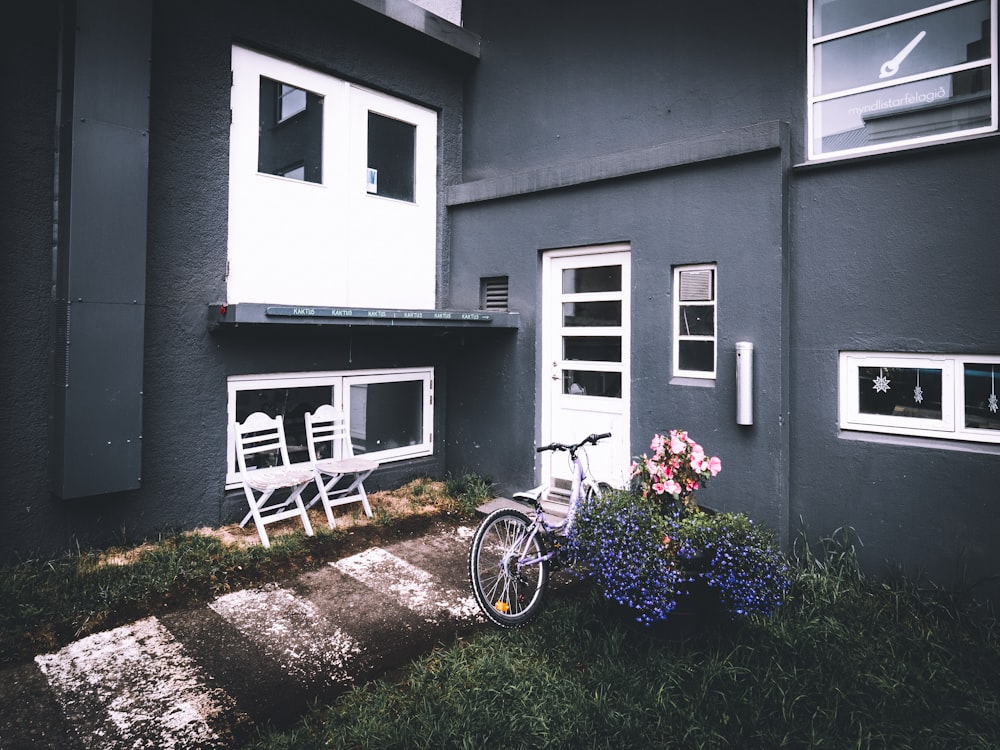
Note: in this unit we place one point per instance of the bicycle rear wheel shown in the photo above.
(509, 592)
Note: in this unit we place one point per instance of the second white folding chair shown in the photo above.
(340, 475)
(260, 434)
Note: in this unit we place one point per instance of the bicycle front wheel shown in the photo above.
(506, 571)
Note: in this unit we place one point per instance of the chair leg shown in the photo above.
(255, 506)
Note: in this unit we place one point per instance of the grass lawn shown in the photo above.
(849, 661)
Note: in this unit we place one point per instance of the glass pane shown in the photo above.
(900, 392)
(593, 348)
(579, 314)
(590, 383)
(831, 16)
(939, 105)
(391, 157)
(291, 404)
(696, 356)
(920, 45)
(696, 320)
(593, 279)
(291, 132)
(386, 415)
(982, 410)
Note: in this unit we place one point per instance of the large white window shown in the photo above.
(694, 345)
(929, 395)
(899, 73)
(332, 191)
(390, 412)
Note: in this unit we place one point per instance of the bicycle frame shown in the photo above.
(581, 480)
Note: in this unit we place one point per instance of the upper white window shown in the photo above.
(390, 413)
(332, 191)
(930, 395)
(899, 73)
(695, 321)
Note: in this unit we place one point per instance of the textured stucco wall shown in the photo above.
(185, 365)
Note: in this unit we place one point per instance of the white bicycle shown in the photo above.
(511, 553)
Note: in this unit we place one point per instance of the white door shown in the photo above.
(585, 359)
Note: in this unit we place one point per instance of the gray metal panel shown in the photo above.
(112, 62)
(99, 449)
(107, 229)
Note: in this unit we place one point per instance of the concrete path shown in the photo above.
(207, 677)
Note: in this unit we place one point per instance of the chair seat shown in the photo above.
(277, 477)
(351, 465)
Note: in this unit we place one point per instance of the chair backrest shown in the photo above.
(328, 425)
(260, 433)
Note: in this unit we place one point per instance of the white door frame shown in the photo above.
(562, 414)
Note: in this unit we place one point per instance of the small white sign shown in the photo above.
(372, 183)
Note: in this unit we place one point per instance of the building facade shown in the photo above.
(482, 228)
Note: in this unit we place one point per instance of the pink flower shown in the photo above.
(672, 487)
(714, 465)
(677, 444)
(659, 488)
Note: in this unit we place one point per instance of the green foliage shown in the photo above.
(847, 662)
(470, 490)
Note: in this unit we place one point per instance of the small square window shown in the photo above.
(391, 157)
(695, 329)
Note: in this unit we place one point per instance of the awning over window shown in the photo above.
(253, 313)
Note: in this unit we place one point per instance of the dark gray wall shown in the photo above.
(890, 253)
(186, 366)
(896, 254)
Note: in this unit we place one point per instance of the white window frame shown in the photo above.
(676, 323)
(340, 381)
(813, 134)
(951, 426)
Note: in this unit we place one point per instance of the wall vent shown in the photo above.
(494, 293)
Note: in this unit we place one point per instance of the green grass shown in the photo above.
(47, 603)
(849, 662)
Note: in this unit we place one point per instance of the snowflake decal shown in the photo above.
(918, 394)
(881, 383)
(993, 403)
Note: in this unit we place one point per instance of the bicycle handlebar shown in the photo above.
(593, 439)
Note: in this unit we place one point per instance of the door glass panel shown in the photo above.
(982, 411)
(291, 132)
(593, 348)
(386, 415)
(591, 383)
(581, 314)
(593, 279)
(900, 392)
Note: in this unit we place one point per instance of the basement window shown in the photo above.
(390, 413)
(925, 395)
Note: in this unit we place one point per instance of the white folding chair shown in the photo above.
(260, 434)
(339, 466)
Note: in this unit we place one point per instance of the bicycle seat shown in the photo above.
(531, 496)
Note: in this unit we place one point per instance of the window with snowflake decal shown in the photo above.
(925, 395)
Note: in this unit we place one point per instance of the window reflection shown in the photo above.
(592, 279)
(900, 392)
(591, 383)
(386, 415)
(291, 132)
(391, 157)
(291, 404)
(982, 410)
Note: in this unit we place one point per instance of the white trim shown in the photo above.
(950, 426)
